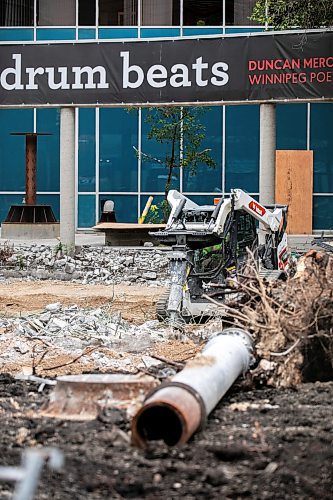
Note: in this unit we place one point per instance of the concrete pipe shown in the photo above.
(175, 410)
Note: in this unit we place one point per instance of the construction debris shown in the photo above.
(61, 336)
(291, 322)
(88, 265)
(83, 397)
(175, 410)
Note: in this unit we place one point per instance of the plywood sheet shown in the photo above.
(119, 226)
(294, 187)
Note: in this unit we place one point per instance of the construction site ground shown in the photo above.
(259, 442)
(136, 303)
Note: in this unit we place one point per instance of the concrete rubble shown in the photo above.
(88, 264)
(108, 340)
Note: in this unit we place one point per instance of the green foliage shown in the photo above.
(286, 14)
(183, 132)
(158, 213)
(6, 252)
(21, 261)
(60, 250)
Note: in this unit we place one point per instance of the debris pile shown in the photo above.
(291, 321)
(88, 265)
(82, 339)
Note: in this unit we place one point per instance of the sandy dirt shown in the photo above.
(136, 303)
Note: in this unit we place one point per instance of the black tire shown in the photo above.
(162, 305)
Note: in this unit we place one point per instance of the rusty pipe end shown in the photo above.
(171, 415)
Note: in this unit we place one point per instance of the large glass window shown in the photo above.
(291, 126)
(203, 12)
(87, 149)
(48, 150)
(238, 12)
(323, 212)
(118, 138)
(86, 211)
(16, 12)
(87, 12)
(125, 206)
(157, 13)
(6, 200)
(118, 13)
(207, 179)
(12, 148)
(242, 148)
(56, 13)
(322, 145)
(154, 166)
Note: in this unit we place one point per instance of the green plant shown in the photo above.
(181, 130)
(21, 261)
(286, 14)
(6, 252)
(60, 249)
(158, 213)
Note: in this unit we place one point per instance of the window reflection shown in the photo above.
(118, 13)
(238, 12)
(203, 12)
(87, 12)
(16, 12)
(59, 13)
(157, 13)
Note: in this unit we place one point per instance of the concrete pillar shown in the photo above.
(67, 178)
(267, 154)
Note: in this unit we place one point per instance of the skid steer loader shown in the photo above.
(210, 247)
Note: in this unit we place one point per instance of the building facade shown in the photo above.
(106, 139)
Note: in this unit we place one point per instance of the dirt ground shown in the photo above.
(262, 443)
(259, 444)
(136, 303)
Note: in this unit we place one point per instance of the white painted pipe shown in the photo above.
(225, 357)
(178, 408)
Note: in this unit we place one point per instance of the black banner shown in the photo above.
(256, 68)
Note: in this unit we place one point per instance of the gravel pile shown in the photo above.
(88, 265)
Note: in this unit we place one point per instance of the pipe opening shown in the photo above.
(160, 422)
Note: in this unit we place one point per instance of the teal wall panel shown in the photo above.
(160, 32)
(16, 34)
(87, 33)
(55, 33)
(106, 33)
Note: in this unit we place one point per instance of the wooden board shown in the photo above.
(294, 187)
(127, 226)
